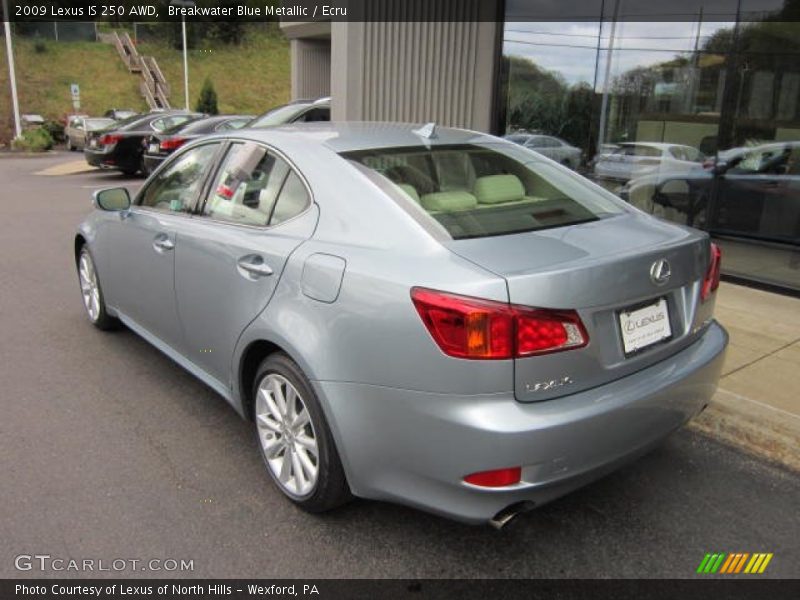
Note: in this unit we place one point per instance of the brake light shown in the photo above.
(711, 280)
(473, 328)
(496, 478)
(171, 143)
(108, 139)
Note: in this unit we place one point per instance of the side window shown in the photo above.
(315, 114)
(248, 184)
(175, 187)
(292, 201)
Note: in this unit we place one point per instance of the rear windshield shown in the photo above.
(476, 191)
(279, 116)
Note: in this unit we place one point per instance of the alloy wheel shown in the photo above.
(287, 435)
(89, 287)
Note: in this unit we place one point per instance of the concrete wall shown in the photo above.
(311, 68)
(417, 71)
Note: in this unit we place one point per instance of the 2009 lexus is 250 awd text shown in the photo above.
(429, 316)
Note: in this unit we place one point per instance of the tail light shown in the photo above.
(711, 280)
(172, 143)
(496, 478)
(473, 328)
(109, 139)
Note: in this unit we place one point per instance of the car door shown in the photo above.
(747, 191)
(230, 257)
(141, 275)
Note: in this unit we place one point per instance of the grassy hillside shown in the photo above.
(249, 78)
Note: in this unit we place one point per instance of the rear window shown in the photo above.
(476, 191)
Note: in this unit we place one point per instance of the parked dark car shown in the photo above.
(298, 111)
(121, 148)
(160, 145)
(749, 192)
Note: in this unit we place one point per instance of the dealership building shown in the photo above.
(693, 115)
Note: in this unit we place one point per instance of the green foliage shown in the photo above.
(34, 140)
(39, 47)
(55, 129)
(207, 102)
(541, 101)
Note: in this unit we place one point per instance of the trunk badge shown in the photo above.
(660, 271)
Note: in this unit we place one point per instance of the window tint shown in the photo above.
(476, 191)
(248, 184)
(292, 201)
(315, 114)
(232, 124)
(279, 116)
(176, 186)
(169, 122)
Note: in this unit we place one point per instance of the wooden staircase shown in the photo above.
(154, 86)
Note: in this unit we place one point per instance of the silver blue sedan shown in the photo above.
(423, 315)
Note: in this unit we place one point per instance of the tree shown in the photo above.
(207, 102)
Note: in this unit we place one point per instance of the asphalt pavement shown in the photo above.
(109, 450)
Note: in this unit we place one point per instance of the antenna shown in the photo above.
(427, 131)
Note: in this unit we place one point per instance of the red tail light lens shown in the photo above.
(472, 328)
(711, 280)
(543, 331)
(171, 143)
(496, 478)
(109, 139)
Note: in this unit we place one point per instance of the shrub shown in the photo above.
(34, 140)
(56, 130)
(207, 103)
(39, 47)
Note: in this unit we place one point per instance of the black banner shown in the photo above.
(119, 11)
(358, 589)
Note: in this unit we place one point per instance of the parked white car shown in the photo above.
(635, 159)
(549, 146)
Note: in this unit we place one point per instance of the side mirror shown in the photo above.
(112, 199)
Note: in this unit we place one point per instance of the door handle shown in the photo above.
(162, 243)
(253, 266)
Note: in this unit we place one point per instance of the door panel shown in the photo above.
(141, 244)
(141, 280)
(230, 259)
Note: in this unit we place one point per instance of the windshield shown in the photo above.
(188, 126)
(476, 191)
(279, 116)
(95, 124)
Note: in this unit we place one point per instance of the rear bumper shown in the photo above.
(97, 158)
(415, 447)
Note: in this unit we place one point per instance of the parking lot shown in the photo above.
(109, 450)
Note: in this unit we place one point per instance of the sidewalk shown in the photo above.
(757, 406)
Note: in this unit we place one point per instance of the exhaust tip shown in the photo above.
(509, 513)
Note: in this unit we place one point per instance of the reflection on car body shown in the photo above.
(437, 321)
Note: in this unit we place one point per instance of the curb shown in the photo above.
(12, 154)
(752, 426)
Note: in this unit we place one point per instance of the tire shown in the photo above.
(70, 147)
(92, 293)
(288, 449)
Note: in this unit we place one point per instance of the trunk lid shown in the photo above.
(599, 269)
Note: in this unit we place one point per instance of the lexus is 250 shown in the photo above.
(429, 316)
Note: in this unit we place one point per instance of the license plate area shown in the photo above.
(644, 326)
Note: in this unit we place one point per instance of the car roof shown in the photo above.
(354, 135)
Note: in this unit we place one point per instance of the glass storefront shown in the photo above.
(696, 121)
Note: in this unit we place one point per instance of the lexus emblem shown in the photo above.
(660, 271)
